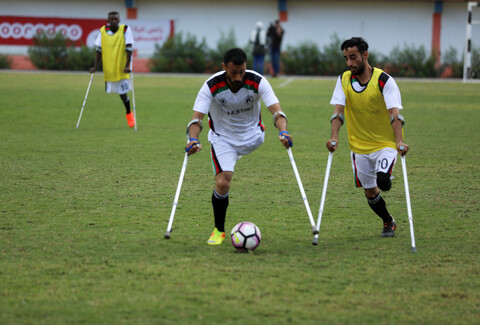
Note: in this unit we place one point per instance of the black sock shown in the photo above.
(220, 204)
(127, 104)
(379, 206)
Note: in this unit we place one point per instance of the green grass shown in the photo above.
(83, 212)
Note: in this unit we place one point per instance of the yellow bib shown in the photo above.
(114, 56)
(368, 121)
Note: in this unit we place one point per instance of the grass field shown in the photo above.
(83, 212)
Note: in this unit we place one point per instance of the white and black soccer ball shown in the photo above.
(245, 236)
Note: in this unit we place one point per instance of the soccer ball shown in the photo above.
(245, 236)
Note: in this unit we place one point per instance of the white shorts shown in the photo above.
(120, 87)
(366, 167)
(225, 154)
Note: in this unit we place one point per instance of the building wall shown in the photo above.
(385, 24)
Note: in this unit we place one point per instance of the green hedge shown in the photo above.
(5, 62)
(58, 53)
(186, 54)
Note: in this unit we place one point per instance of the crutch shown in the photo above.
(324, 193)
(302, 191)
(177, 194)
(133, 94)
(407, 196)
(85, 100)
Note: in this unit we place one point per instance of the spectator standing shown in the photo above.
(275, 36)
(258, 38)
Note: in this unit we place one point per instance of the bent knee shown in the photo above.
(223, 183)
(383, 181)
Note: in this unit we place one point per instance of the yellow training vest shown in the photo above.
(114, 56)
(368, 121)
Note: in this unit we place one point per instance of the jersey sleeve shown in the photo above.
(391, 94)
(338, 96)
(203, 100)
(98, 40)
(129, 36)
(266, 93)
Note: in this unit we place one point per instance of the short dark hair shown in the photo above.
(235, 55)
(113, 13)
(359, 42)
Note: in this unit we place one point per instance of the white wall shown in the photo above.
(384, 24)
(62, 8)
(382, 28)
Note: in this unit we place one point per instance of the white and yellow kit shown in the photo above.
(114, 57)
(370, 135)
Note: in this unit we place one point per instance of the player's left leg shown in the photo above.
(126, 102)
(224, 158)
(129, 115)
(364, 169)
(220, 204)
(379, 206)
(122, 87)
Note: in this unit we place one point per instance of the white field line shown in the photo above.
(286, 82)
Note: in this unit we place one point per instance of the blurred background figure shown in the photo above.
(258, 38)
(275, 36)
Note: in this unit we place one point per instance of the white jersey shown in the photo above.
(391, 93)
(236, 116)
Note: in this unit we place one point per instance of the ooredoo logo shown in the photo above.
(29, 30)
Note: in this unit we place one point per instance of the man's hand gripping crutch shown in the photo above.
(286, 139)
(193, 146)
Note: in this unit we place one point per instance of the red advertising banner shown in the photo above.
(19, 30)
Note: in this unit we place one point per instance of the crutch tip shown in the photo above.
(315, 242)
(315, 231)
(414, 249)
(167, 235)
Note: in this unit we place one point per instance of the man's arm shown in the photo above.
(193, 131)
(280, 122)
(98, 52)
(336, 121)
(129, 50)
(98, 57)
(397, 125)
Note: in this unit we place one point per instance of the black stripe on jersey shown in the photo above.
(382, 80)
(216, 80)
(253, 77)
(210, 123)
(216, 163)
(109, 28)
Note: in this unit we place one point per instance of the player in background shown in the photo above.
(369, 100)
(231, 99)
(114, 47)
